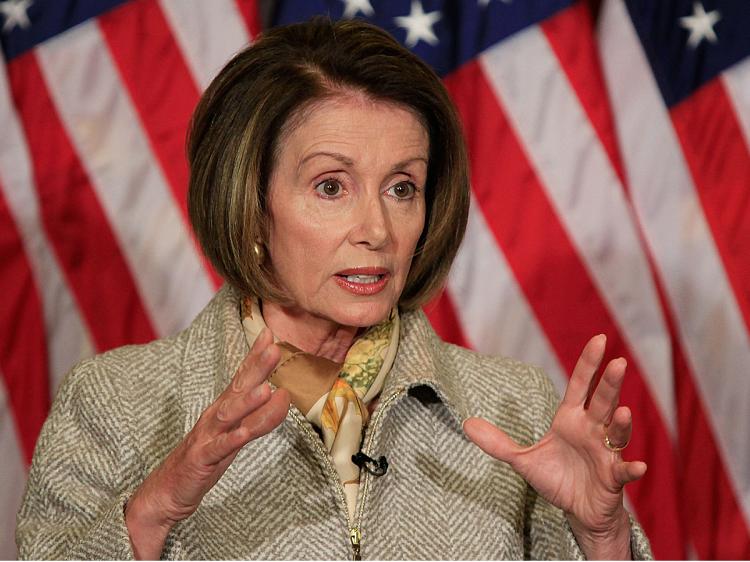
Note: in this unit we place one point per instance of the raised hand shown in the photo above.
(246, 410)
(577, 465)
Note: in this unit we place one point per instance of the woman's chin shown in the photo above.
(361, 314)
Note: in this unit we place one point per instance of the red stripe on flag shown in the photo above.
(161, 88)
(23, 350)
(442, 315)
(703, 483)
(74, 220)
(570, 33)
(713, 517)
(251, 16)
(559, 289)
(719, 163)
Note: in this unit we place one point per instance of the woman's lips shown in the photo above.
(363, 280)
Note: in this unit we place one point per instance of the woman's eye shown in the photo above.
(329, 188)
(403, 190)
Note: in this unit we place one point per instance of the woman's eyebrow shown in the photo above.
(335, 155)
(349, 162)
(399, 166)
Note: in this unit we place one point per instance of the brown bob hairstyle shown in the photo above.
(247, 109)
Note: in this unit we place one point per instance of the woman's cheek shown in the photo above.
(318, 209)
(410, 215)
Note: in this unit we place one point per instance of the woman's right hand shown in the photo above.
(246, 410)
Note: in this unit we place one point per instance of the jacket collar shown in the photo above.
(422, 358)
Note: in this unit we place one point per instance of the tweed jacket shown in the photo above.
(118, 415)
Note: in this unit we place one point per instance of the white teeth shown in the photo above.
(362, 278)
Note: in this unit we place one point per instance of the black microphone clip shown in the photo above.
(374, 467)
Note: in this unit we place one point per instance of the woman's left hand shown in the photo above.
(571, 466)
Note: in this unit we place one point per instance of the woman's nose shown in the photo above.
(372, 227)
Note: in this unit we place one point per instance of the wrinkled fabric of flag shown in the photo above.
(610, 162)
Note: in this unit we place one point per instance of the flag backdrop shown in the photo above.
(610, 193)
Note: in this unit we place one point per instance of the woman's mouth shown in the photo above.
(363, 278)
(363, 281)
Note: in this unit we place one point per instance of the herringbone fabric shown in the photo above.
(118, 415)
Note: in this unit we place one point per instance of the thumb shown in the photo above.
(491, 439)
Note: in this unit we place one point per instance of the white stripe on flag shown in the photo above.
(737, 83)
(587, 195)
(493, 312)
(12, 478)
(709, 322)
(209, 34)
(68, 340)
(104, 126)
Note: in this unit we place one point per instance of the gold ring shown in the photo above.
(610, 446)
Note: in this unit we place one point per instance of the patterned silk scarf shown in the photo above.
(334, 397)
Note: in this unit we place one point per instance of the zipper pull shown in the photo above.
(354, 537)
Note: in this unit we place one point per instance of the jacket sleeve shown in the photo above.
(547, 532)
(84, 469)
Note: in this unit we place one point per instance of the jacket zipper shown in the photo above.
(355, 536)
(367, 477)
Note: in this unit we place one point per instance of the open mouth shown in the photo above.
(363, 281)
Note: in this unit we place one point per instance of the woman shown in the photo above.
(329, 188)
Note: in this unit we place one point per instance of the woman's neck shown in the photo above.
(312, 334)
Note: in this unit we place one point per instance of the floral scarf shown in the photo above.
(343, 392)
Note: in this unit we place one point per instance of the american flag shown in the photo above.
(610, 193)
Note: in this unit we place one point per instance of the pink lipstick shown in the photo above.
(363, 281)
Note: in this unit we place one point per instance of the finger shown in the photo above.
(583, 374)
(607, 394)
(492, 440)
(261, 342)
(255, 369)
(233, 408)
(626, 472)
(239, 400)
(620, 428)
(264, 339)
(243, 377)
(270, 415)
(256, 424)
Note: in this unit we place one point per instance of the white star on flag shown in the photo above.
(353, 7)
(700, 25)
(15, 14)
(418, 25)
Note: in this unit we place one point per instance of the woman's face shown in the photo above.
(347, 208)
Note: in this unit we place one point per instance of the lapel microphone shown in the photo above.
(374, 467)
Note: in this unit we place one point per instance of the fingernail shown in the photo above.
(258, 390)
(265, 357)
